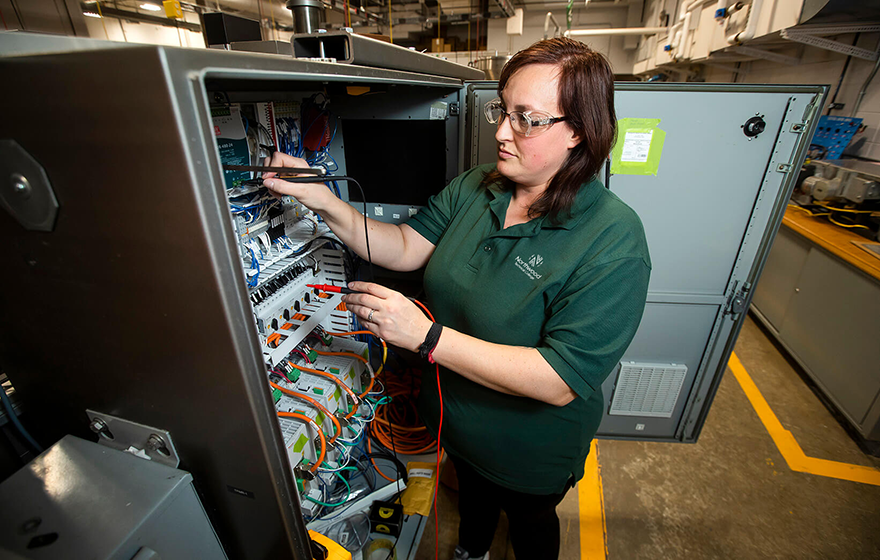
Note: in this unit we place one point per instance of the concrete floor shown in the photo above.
(731, 495)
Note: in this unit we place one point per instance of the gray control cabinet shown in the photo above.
(142, 268)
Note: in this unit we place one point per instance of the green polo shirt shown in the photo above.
(575, 290)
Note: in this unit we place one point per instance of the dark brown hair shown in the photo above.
(586, 97)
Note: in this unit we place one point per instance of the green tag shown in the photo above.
(318, 391)
(337, 394)
(334, 371)
(638, 148)
(320, 419)
(300, 443)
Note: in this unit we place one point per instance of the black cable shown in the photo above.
(398, 466)
(363, 198)
(394, 452)
(842, 74)
(363, 470)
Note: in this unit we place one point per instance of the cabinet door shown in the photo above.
(780, 276)
(833, 324)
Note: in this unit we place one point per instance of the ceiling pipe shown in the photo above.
(547, 21)
(615, 31)
(751, 25)
(577, 6)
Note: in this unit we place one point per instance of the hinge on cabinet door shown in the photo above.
(783, 167)
(736, 303)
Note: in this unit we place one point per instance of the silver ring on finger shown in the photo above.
(370, 316)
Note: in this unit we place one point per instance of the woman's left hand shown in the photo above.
(388, 314)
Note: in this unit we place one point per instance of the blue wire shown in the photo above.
(335, 128)
(253, 281)
(10, 413)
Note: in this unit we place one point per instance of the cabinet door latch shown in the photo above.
(736, 303)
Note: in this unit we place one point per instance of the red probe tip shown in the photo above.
(326, 287)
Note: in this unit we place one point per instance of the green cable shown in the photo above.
(347, 496)
(324, 464)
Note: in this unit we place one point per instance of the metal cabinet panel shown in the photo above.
(696, 209)
(668, 334)
(837, 308)
(779, 279)
(482, 147)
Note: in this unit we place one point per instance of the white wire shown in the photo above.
(380, 391)
(355, 438)
(372, 411)
(338, 466)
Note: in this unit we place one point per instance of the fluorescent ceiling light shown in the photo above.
(91, 14)
(151, 7)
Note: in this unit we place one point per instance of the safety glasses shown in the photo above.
(525, 123)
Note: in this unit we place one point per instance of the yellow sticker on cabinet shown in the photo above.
(638, 148)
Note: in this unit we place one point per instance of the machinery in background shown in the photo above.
(845, 191)
(832, 136)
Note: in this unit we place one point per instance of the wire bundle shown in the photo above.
(411, 437)
(289, 139)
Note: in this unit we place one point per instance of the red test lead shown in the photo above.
(329, 288)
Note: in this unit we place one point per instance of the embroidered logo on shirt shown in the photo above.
(529, 267)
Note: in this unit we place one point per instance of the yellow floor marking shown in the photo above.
(788, 446)
(592, 509)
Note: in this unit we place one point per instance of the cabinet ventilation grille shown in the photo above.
(647, 389)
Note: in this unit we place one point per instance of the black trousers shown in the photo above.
(534, 525)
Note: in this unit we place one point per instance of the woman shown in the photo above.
(538, 276)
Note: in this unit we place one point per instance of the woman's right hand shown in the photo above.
(314, 196)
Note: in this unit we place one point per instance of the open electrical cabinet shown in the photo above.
(138, 301)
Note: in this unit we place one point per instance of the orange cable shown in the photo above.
(361, 358)
(384, 353)
(336, 380)
(400, 416)
(375, 466)
(349, 354)
(314, 403)
(299, 416)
